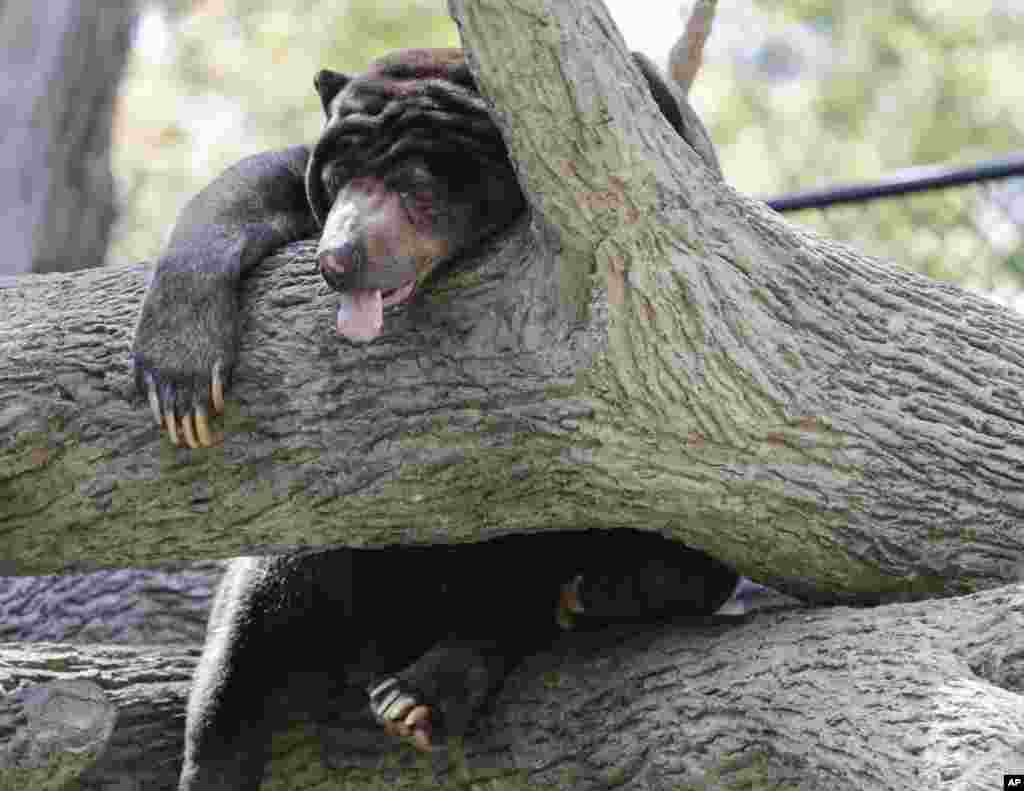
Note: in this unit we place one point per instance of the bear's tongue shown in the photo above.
(361, 314)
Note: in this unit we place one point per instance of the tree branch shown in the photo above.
(752, 368)
(687, 54)
(708, 702)
(649, 349)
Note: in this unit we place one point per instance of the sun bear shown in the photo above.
(429, 631)
(409, 172)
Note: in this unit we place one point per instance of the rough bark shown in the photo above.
(124, 606)
(922, 695)
(55, 710)
(650, 350)
(62, 61)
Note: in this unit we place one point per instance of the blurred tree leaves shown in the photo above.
(846, 90)
(821, 93)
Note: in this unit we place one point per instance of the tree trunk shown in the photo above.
(922, 695)
(62, 61)
(647, 349)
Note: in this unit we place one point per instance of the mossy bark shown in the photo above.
(887, 698)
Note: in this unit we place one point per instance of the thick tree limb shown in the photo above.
(924, 694)
(653, 350)
(138, 606)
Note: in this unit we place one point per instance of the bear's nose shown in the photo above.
(337, 263)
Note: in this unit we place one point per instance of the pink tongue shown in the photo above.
(361, 314)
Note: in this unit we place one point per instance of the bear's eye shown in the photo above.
(420, 205)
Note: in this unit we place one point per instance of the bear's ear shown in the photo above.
(328, 83)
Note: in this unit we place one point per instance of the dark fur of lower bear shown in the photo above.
(430, 629)
(409, 172)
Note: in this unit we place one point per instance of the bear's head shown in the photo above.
(408, 172)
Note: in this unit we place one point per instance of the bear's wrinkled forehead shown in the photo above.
(422, 64)
(411, 103)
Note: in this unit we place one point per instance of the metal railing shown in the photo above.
(956, 223)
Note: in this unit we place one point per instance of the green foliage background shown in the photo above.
(876, 87)
(796, 93)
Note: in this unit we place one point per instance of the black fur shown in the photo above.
(441, 625)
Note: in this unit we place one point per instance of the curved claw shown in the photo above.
(414, 727)
(190, 436)
(401, 714)
(217, 388)
(172, 430)
(194, 427)
(154, 399)
(417, 723)
(203, 427)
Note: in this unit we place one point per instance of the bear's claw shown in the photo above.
(401, 713)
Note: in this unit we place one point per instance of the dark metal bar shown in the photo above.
(902, 182)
